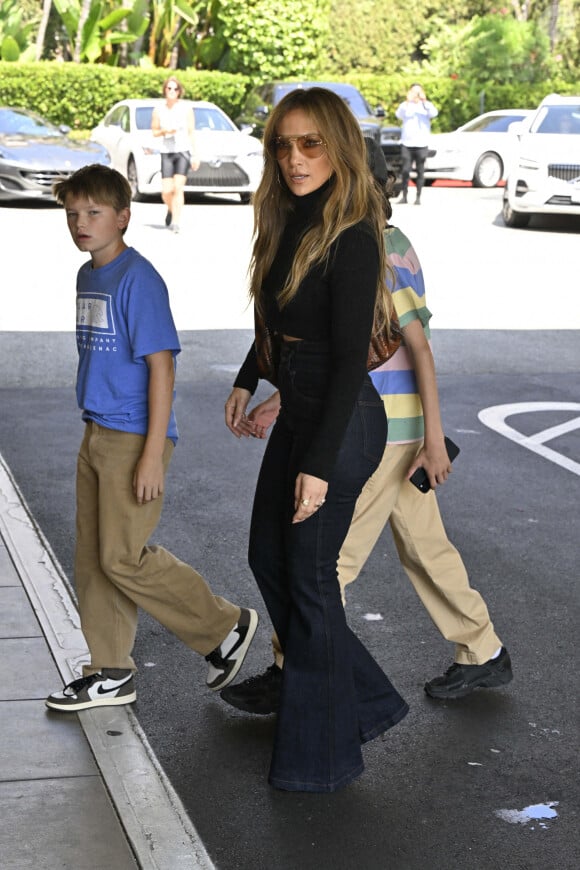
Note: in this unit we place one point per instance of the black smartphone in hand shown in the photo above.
(419, 478)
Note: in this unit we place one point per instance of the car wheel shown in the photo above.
(245, 198)
(133, 179)
(488, 170)
(513, 218)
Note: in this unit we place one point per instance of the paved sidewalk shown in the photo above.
(80, 791)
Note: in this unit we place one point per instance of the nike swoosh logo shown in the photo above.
(101, 691)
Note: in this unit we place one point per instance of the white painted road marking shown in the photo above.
(495, 418)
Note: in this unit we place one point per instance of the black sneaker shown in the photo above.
(259, 694)
(226, 659)
(461, 680)
(94, 691)
(168, 218)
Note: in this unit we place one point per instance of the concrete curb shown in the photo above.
(157, 826)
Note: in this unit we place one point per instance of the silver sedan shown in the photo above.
(34, 154)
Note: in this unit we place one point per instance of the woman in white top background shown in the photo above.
(416, 113)
(174, 122)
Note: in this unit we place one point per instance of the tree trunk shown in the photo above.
(124, 47)
(85, 9)
(521, 10)
(174, 56)
(46, 7)
(553, 22)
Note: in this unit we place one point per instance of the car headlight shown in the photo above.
(528, 163)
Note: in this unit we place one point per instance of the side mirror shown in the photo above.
(516, 128)
(379, 112)
(64, 129)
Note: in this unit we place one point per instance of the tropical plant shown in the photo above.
(366, 35)
(92, 26)
(495, 48)
(252, 37)
(173, 30)
(16, 34)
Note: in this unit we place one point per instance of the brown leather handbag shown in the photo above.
(384, 344)
(267, 345)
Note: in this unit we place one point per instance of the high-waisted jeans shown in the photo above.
(334, 695)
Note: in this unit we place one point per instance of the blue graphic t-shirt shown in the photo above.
(123, 315)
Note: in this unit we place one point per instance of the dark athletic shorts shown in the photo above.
(177, 163)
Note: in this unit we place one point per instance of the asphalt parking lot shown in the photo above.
(453, 785)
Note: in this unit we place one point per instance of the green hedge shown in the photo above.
(79, 95)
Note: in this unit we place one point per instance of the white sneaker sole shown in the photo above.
(87, 705)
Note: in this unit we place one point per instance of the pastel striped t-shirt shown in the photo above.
(395, 380)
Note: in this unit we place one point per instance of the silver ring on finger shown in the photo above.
(305, 502)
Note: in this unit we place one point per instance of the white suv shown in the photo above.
(545, 178)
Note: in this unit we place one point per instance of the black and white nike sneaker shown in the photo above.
(97, 690)
(226, 659)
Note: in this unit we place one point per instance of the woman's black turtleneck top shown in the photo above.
(335, 304)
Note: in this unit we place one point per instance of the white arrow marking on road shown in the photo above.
(495, 417)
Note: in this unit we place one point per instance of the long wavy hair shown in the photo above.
(352, 197)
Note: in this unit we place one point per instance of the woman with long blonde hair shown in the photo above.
(318, 281)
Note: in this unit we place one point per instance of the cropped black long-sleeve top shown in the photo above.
(335, 304)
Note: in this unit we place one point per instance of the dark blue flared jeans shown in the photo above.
(334, 695)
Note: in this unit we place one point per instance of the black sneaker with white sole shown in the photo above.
(458, 681)
(259, 695)
(226, 659)
(97, 690)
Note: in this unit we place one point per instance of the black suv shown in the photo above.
(263, 98)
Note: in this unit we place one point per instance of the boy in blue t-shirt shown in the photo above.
(127, 344)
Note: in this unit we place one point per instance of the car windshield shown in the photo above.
(558, 119)
(212, 119)
(206, 118)
(353, 98)
(493, 124)
(13, 122)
